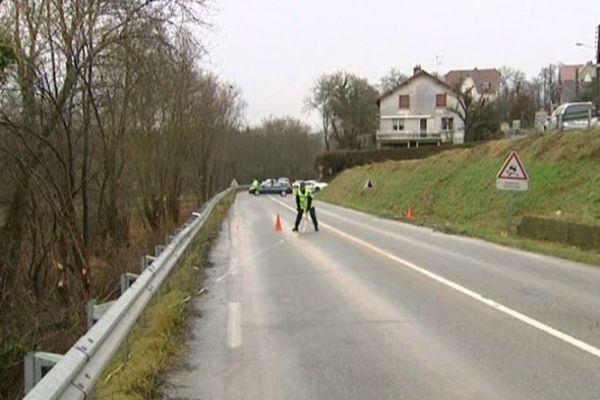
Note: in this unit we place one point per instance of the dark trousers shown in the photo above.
(313, 216)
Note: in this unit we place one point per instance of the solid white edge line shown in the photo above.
(465, 239)
(588, 348)
(234, 325)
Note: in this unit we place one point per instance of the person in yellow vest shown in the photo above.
(253, 187)
(304, 205)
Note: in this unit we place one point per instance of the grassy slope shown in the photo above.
(456, 190)
(152, 346)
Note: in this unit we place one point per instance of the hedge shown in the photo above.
(333, 162)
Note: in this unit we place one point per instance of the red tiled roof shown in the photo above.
(486, 80)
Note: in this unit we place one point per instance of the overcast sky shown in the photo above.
(274, 50)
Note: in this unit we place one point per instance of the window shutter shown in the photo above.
(440, 100)
(404, 101)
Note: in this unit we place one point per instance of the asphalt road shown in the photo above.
(374, 309)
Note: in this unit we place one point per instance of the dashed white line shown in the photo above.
(588, 348)
(234, 325)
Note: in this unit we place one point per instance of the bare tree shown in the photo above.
(99, 105)
(347, 104)
(476, 112)
(391, 80)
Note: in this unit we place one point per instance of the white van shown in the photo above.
(573, 116)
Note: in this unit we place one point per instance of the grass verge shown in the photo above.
(455, 191)
(158, 336)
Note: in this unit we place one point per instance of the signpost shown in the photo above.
(512, 177)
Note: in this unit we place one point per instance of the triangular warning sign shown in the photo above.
(234, 183)
(368, 184)
(513, 169)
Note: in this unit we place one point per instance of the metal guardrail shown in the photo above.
(76, 373)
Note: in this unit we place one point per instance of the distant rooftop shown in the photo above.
(486, 80)
(569, 72)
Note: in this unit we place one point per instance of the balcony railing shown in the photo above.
(418, 136)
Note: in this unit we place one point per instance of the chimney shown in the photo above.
(416, 70)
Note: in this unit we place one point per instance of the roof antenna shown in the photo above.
(438, 63)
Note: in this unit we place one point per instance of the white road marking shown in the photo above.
(409, 240)
(588, 348)
(464, 239)
(234, 270)
(234, 325)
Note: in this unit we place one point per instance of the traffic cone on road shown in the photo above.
(410, 215)
(278, 224)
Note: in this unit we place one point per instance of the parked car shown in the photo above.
(315, 186)
(573, 116)
(273, 187)
(311, 184)
(283, 180)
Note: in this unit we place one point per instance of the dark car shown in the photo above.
(273, 187)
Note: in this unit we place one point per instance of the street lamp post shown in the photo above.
(597, 48)
(598, 70)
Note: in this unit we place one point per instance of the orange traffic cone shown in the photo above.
(410, 215)
(278, 224)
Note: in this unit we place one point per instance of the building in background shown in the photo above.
(485, 82)
(574, 80)
(419, 111)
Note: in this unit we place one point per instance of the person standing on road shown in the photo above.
(254, 186)
(304, 206)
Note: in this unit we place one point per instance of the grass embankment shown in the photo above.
(159, 335)
(455, 191)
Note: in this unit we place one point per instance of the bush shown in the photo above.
(333, 162)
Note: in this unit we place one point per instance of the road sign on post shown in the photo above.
(512, 176)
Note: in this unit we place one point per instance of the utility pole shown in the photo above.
(550, 88)
(545, 90)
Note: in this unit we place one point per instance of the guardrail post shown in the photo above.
(127, 280)
(158, 249)
(95, 311)
(36, 365)
(90, 313)
(145, 262)
(559, 119)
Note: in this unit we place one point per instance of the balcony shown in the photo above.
(410, 136)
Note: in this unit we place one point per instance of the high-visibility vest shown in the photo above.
(254, 184)
(304, 198)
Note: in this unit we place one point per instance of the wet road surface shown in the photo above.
(369, 308)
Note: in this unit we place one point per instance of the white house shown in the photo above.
(587, 73)
(419, 111)
(573, 79)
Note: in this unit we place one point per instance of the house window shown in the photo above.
(448, 124)
(404, 101)
(398, 125)
(440, 100)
